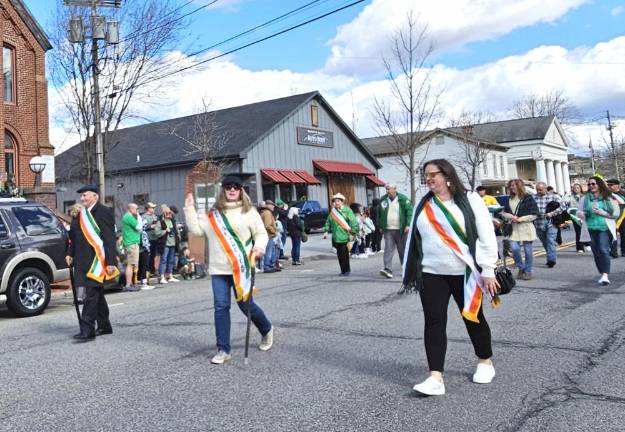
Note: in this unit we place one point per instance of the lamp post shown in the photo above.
(100, 30)
(37, 165)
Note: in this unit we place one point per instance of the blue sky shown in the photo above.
(489, 53)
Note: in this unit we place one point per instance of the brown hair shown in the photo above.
(455, 184)
(520, 188)
(220, 204)
(605, 193)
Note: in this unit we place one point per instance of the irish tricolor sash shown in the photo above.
(240, 258)
(91, 231)
(339, 219)
(450, 232)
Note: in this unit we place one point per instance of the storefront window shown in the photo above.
(301, 192)
(269, 191)
(205, 195)
(286, 192)
(8, 69)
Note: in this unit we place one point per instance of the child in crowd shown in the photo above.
(369, 230)
(187, 264)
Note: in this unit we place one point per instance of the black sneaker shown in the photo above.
(387, 273)
(551, 264)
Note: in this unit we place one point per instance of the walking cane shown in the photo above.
(75, 294)
(249, 315)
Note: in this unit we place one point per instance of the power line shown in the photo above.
(247, 45)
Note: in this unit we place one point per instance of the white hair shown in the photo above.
(391, 185)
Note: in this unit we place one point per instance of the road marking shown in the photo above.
(543, 252)
(116, 304)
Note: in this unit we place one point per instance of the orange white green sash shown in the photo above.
(340, 219)
(450, 232)
(92, 233)
(239, 256)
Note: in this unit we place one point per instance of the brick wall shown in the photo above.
(197, 175)
(27, 118)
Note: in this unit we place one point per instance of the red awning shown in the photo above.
(274, 175)
(310, 179)
(293, 178)
(375, 180)
(342, 167)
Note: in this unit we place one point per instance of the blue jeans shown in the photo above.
(269, 261)
(548, 239)
(528, 248)
(167, 259)
(600, 242)
(223, 285)
(296, 243)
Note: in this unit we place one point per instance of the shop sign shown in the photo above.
(315, 137)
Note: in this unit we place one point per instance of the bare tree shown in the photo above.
(414, 102)
(473, 151)
(550, 103)
(206, 140)
(149, 29)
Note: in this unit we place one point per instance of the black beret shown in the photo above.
(91, 187)
(613, 181)
(232, 180)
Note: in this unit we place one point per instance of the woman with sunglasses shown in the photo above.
(231, 226)
(452, 251)
(599, 212)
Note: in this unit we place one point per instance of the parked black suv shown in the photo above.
(32, 255)
(312, 213)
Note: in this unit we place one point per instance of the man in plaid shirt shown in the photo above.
(545, 230)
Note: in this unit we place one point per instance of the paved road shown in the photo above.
(347, 354)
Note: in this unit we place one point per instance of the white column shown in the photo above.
(541, 171)
(559, 182)
(551, 175)
(566, 177)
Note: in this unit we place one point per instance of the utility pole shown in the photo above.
(100, 30)
(610, 127)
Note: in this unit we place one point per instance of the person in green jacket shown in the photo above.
(394, 216)
(342, 224)
(131, 234)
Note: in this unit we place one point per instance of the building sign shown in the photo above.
(315, 137)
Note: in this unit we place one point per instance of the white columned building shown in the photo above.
(559, 181)
(541, 170)
(551, 175)
(567, 178)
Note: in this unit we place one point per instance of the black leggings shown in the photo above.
(435, 298)
(343, 254)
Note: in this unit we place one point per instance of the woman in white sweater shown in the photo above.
(452, 251)
(231, 226)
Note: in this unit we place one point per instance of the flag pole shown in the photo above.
(75, 295)
(249, 302)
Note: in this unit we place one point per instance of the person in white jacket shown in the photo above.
(232, 226)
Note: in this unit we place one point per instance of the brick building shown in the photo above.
(24, 113)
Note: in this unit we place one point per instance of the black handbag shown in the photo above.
(505, 279)
(506, 230)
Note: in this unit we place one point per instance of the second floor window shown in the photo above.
(8, 70)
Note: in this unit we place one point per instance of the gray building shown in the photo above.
(292, 148)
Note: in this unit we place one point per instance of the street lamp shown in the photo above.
(37, 165)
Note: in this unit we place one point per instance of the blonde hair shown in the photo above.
(520, 188)
(75, 210)
(220, 204)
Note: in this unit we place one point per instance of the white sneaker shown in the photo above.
(484, 373)
(163, 280)
(146, 287)
(430, 387)
(580, 251)
(603, 281)
(173, 279)
(267, 341)
(221, 357)
(587, 248)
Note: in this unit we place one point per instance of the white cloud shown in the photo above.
(358, 45)
(617, 11)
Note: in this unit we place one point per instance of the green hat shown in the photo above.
(279, 202)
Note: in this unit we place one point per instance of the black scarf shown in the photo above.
(413, 255)
(527, 206)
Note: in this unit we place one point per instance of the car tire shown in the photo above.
(28, 293)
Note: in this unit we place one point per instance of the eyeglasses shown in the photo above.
(431, 175)
(591, 184)
(235, 187)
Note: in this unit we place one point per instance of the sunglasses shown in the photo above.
(235, 187)
(431, 175)
(591, 184)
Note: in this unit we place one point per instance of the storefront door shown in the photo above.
(344, 185)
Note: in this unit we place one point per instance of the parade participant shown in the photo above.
(92, 253)
(451, 238)
(614, 186)
(545, 229)
(230, 227)
(342, 224)
(393, 219)
(599, 212)
(574, 208)
(521, 211)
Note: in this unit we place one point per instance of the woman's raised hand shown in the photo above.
(189, 201)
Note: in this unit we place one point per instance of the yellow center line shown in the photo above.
(542, 252)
